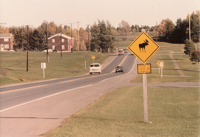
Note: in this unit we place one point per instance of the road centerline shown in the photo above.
(120, 63)
(21, 89)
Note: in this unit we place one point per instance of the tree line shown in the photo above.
(96, 37)
(180, 32)
(102, 35)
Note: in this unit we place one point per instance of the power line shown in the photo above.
(88, 36)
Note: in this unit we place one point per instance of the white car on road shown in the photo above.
(95, 68)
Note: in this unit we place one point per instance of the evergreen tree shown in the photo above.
(103, 36)
(38, 40)
(189, 46)
(194, 18)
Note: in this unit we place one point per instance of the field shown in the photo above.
(171, 111)
(13, 65)
(170, 74)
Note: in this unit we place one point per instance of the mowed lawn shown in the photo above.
(172, 112)
(170, 74)
(13, 65)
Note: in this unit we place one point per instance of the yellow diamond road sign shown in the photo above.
(143, 47)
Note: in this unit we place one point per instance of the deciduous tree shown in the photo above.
(194, 57)
(125, 27)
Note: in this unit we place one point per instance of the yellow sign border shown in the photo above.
(151, 41)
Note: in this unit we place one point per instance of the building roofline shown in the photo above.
(63, 35)
(6, 35)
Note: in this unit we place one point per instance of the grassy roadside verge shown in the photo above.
(172, 112)
(170, 74)
(13, 65)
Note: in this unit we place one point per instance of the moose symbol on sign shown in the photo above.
(142, 46)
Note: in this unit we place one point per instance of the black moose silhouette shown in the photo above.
(142, 46)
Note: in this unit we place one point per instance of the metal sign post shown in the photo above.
(161, 67)
(143, 47)
(93, 57)
(158, 63)
(43, 66)
(145, 97)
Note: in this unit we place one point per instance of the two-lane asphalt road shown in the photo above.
(26, 106)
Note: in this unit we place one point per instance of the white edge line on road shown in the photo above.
(43, 98)
(125, 74)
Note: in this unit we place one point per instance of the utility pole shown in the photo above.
(156, 32)
(61, 39)
(47, 43)
(71, 37)
(27, 47)
(22, 40)
(78, 36)
(189, 23)
(89, 37)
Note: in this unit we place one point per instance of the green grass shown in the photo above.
(171, 74)
(124, 44)
(172, 112)
(13, 65)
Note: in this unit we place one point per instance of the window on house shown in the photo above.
(53, 40)
(63, 47)
(53, 47)
(63, 40)
(6, 40)
(6, 46)
(1, 46)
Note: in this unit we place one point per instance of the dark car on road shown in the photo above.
(119, 69)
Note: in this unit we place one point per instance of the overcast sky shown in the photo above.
(140, 12)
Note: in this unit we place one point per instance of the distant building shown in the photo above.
(57, 41)
(6, 42)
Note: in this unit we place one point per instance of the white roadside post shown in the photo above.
(43, 66)
(161, 67)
